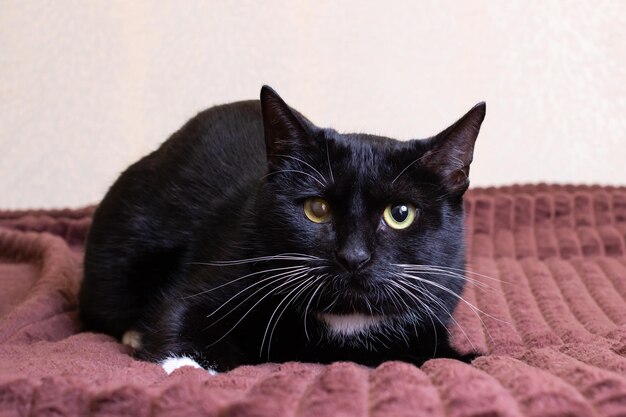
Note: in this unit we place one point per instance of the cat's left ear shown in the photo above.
(451, 151)
(286, 131)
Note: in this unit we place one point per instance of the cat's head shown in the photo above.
(377, 222)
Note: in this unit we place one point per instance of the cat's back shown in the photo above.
(143, 229)
(219, 142)
(213, 155)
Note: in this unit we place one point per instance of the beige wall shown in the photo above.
(87, 87)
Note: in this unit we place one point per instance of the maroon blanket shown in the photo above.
(553, 327)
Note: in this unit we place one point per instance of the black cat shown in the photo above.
(252, 235)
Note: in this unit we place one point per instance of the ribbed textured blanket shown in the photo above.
(548, 269)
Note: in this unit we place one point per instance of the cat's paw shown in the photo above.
(132, 338)
(172, 363)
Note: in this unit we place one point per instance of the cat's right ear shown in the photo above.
(285, 132)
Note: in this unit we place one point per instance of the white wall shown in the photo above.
(87, 87)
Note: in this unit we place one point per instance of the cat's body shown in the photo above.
(203, 247)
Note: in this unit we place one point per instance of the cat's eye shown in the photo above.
(317, 210)
(399, 216)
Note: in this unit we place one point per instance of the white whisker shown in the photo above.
(294, 170)
(290, 277)
(305, 163)
(306, 309)
(463, 270)
(439, 303)
(251, 309)
(279, 257)
(429, 310)
(309, 283)
(434, 284)
(450, 274)
(292, 268)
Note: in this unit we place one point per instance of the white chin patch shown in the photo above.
(350, 324)
(171, 364)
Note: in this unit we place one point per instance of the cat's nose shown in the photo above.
(352, 259)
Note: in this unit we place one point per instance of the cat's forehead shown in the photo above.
(366, 142)
(368, 165)
(366, 156)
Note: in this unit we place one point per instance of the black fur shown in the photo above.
(229, 186)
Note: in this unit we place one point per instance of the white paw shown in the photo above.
(132, 338)
(171, 364)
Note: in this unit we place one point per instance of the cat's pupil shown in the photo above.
(319, 208)
(400, 213)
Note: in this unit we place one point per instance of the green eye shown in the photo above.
(399, 216)
(317, 210)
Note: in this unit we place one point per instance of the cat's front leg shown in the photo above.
(446, 350)
(169, 363)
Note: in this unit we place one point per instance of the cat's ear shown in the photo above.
(451, 151)
(285, 130)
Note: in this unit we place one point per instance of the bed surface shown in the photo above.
(552, 326)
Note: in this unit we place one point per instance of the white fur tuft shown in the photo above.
(350, 324)
(132, 338)
(172, 363)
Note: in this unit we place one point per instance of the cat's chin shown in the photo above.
(361, 302)
(351, 324)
